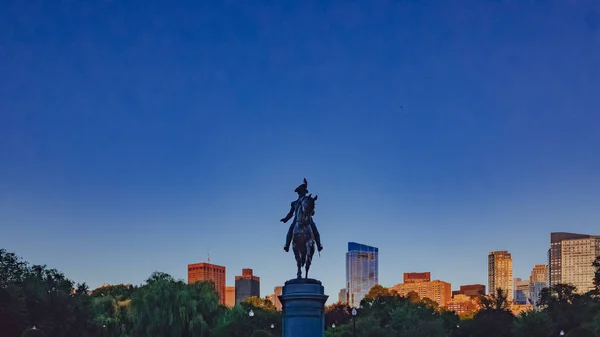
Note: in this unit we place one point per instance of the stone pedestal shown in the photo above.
(303, 302)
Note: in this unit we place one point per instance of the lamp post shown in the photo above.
(251, 314)
(333, 326)
(103, 329)
(562, 333)
(272, 326)
(354, 322)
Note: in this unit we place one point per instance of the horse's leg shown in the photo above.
(310, 251)
(298, 260)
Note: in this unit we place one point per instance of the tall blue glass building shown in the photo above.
(362, 271)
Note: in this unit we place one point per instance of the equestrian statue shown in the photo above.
(303, 233)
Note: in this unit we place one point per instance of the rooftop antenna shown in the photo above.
(208, 251)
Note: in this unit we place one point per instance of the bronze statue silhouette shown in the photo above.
(303, 232)
(302, 191)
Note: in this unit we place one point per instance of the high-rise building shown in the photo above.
(362, 271)
(521, 292)
(247, 285)
(438, 291)
(577, 258)
(471, 290)
(342, 296)
(208, 272)
(539, 273)
(230, 296)
(500, 273)
(417, 277)
(570, 259)
(538, 280)
(555, 255)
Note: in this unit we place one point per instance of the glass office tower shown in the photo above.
(362, 271)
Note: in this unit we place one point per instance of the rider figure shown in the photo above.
(302, 190)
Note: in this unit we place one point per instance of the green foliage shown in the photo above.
(337, 314)
(119, 292)
(596, 265)
(532, 324)
(255, 302)
(581, 332)
(162, 306)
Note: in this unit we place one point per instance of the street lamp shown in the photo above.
(103, 329)
(562, 333)
(251, 314)
(354, 322)
(272, 326)
(333, 325)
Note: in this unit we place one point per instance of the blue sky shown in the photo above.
(138, 135)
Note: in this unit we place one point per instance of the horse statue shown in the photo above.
(303, 242)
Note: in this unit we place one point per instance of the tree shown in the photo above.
(494, 318)
(429, 302)
(581, 332)
(596, 265)
(338, 314)
(564, 306)
(532, 324)
(119, 292)
(413, 297)
(168, 308)
(256, 302)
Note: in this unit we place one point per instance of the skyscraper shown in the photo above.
(537, 281)
(570, 259)
(208, 272)
(362, 271)
(577, 258)
(500, 273)
(246, 285)
(539, 273)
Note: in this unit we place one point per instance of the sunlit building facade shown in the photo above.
(462, 304)
(577, 258)
(438, 291)
(555, 254)
(417, 277)
(362, 271)
(230, 296)
(500, 273)
(471, 290)
(538, 280)
(208, 272)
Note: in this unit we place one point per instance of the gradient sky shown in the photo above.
(136, 136)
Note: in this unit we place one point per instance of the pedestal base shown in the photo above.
(303, 302)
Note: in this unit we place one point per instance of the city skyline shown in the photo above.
(134, 137)
(528, 290)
